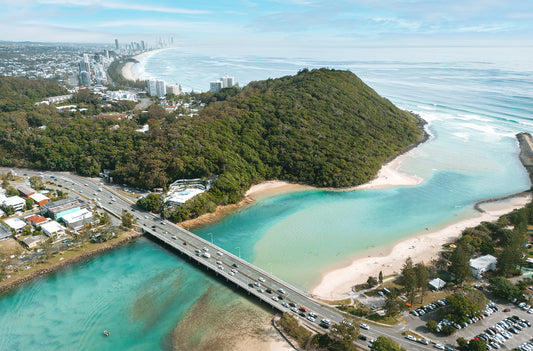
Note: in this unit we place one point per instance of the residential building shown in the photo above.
(215, 86)
(52, 229)
(33, 241)
(227, 81)
(16, 202)
(77, 220)
(16, 224)
(36, 220)
(40, 199)
(482, 264)
(173, 89)
(157, 87)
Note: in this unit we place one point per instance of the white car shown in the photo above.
(364, 326)
(261, 279)
(275, 298)
(220, 253)
(438, 346)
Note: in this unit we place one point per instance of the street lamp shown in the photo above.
(238, 248)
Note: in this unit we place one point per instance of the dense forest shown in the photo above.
(322, 127)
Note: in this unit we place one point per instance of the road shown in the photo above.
(252, 279)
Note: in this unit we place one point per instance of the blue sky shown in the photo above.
(274, 24)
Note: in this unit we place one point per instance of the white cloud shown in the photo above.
(124, 6)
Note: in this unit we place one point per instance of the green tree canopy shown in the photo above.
(383, 343)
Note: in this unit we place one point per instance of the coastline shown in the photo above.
(338, 282)
(127, 69)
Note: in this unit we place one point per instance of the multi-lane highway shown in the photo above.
(266, 287)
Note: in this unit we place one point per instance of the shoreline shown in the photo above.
(55, 264)
(127, 69)
(338, 282)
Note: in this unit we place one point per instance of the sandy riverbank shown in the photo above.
(425, 247)
(63, 259)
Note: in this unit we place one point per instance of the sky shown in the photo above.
(271, 24)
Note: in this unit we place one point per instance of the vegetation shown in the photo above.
(291, 326)
(504, 288)
(384, 343)
(464, 305)
(323, 127)
(414, 278)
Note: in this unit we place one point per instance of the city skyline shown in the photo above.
(277, 25)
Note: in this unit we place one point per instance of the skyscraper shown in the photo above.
(157, 88)
(116, 44)
(227, 81)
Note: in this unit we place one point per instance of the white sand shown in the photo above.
(274, 187)
(425, 247)
(389, 176)
(127, 71)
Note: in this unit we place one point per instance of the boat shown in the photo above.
(106, 333)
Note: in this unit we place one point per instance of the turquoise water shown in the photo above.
(474, 102)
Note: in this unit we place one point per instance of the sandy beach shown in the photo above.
(422, 248)
(127, 69)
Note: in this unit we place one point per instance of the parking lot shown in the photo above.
(417, 324)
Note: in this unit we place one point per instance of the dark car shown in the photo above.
(269, 291)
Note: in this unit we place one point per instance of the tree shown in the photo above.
(127, 219)
(371, 282)
(460, 263)
(151, 202)
(47, 249)
(513, 254)
(422, 279)
(476, 345)
(380, 277)
(105, 219)
(29, 204)
(393, 305)
(346, 334)
(432, 325)
(36, 183)
(3, 272)
(383, 343)
(462, 342)
(462, 306)
(503, 287)
(408, 279)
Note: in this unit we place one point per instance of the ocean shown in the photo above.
(474, 99)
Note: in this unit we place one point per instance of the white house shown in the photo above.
(53, 228)
(16, 224)
(16, 202)
(480, 265)
(179, 198)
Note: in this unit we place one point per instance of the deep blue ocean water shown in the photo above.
(474, 99)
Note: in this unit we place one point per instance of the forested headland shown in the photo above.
(321, 127)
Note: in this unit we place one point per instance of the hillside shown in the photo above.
(322, 127)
